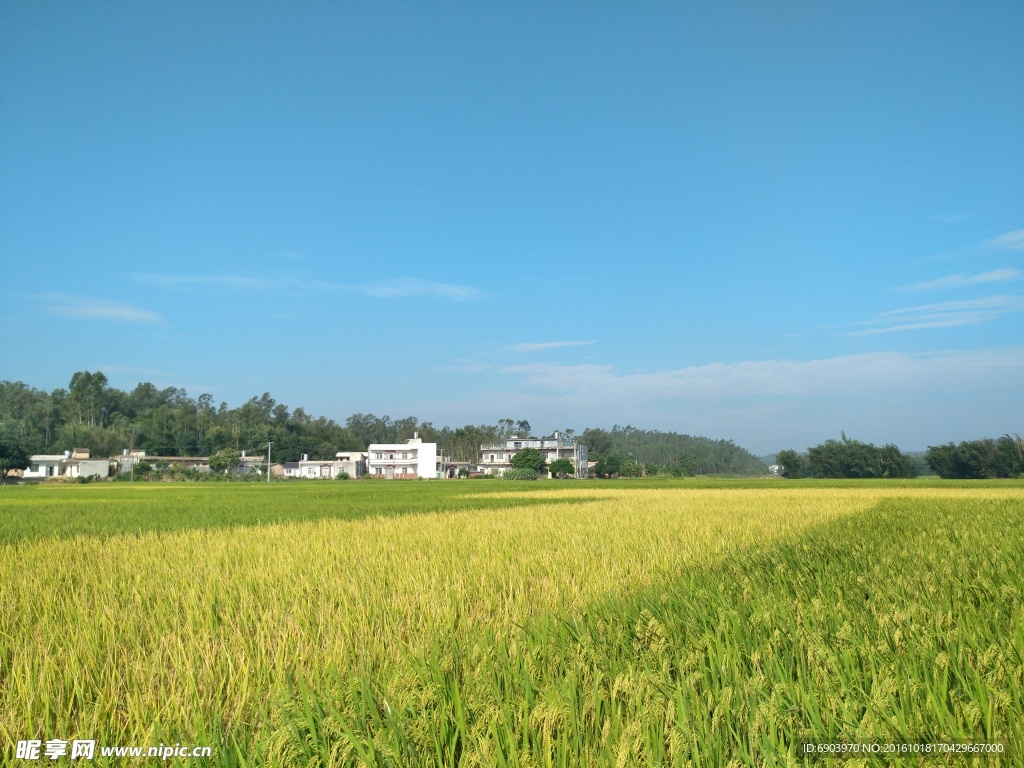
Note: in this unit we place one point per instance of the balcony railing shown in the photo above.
(540, 445)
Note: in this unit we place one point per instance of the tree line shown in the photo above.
(978, 459)
(848, 458)
(974, 459)
(89, 413)
(631, 452)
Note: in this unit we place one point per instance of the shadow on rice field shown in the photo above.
(903, 625)
(591, 623)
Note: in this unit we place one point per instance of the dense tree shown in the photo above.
(978, 459)
(225, 460)
(86, 397)
(897, 464)
(630, 467)
(29, 416)
(562, 468)
(687, 464)
(13, 456)
(505, 428)
(607, 466)
(1008, 460)
(599, 443)
(529, 458)
(943, 461)
(661, 452)
(367, 428)
(793, 464)
(847, 458)
(463, 443)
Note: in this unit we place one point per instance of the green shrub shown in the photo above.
(520, 474)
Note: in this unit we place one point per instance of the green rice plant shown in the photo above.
(556, 624)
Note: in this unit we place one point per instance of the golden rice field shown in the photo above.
(515, 624)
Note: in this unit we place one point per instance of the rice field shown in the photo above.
(510, 624)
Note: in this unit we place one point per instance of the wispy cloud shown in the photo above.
(464, 368)
(1011, 241)
(238, 282)
(396, 288)
(528, 346)
(841, 376)
(946, 314)
(962, 280)
(1008, 241)
(87, 308)
(951, 218)
(403, 287)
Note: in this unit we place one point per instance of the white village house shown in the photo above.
(73, 463)
(403, 461)
(352, 463)
(45, 465)
(495, 458)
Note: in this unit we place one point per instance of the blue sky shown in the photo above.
(758, 222)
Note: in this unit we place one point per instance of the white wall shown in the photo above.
(424, 463)
(45, 466)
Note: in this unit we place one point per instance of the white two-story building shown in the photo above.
(403, 461)
(495, 458)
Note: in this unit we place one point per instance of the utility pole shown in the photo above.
(268, 460)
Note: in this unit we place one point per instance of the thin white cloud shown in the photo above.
(87, 308)
(239, 282)
(528, 346)
(946, 314)
(1010, 241)
(466, 368)
(843, 376)
(962, 280)
(950, 219)
(397, 288)
(405, 287)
